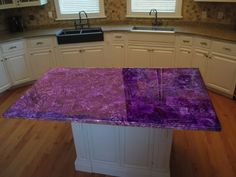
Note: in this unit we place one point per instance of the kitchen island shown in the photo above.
(122, 119)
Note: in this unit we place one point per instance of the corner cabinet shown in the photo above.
(221, 67)
(15, 60)
(4, 79)
(7, 4)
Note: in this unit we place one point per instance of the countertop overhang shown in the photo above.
(211, 31)
(170, 98)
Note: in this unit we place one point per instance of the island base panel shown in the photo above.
(121, 150)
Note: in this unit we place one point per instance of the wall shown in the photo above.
(115, 10)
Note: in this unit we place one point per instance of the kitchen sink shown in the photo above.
(67, 36)
(153, 29)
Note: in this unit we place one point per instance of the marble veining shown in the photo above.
(161, 98)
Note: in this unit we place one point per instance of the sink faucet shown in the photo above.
(81, 24)
(155, 23)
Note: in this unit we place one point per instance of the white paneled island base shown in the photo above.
(121, 150)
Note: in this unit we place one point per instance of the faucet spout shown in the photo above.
(81, 23)
(155, 23)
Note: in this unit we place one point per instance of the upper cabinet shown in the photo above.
(7, 4)
(215, 0)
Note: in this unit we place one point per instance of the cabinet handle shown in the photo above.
(118, 37)
(203, 43)
(206, 55)
(150, 50)
(39, 43)
(227, 49)
(82, 50)
(185, 41)
(13, 47)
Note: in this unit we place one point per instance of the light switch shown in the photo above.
(220, 15)
(204, 14)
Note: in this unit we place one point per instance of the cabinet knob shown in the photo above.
(5, 59)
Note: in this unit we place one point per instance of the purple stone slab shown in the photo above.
(161, 98)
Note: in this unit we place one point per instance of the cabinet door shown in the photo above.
(41, 61)
(93, 56)
(138, 57)
(70, 58)
(200, 61)
(184, 57)
(117, 55)
(26, 3)
(221, 73)
(162, 57)
(5, 4)
(18, 69)
(4, 80)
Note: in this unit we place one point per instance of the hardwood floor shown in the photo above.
(30, 148)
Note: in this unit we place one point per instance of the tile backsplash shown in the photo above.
(115, 10)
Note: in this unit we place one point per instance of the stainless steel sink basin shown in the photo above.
(67, 36)
(153, 29)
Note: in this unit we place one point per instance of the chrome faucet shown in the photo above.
(155, 23)
(80, 23)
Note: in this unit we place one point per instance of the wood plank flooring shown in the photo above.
(30, 148)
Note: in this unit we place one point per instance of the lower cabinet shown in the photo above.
(221, 73)
(41, 61)
(138, 57)
(199, 60)
(18, 68)
(4, 79)
(117, 55)
(70, 58)
(150, 56)
(162, 57)
(184, 57)
(77, 56)
(93, 56)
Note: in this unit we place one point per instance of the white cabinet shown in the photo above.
(184, 52)
(4, 79)
(115, 49)
(162, 57)
(221, 73)
(18, 69)
(200, 57)
(6, 4)
(87, 55)
(41, 55)
(150, 56)
(122, 150)
(221, 67)
(70, 57)
(148, 50)
(201, 54)
(16, 61)
(117, 55)
(138, 57)
(93, 56)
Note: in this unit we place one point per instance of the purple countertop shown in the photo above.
(161, 98)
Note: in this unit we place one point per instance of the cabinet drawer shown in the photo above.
(203, 43)
(185, 40)
(118, 37)
(40, 42)
(12, 46)
(225, 48)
